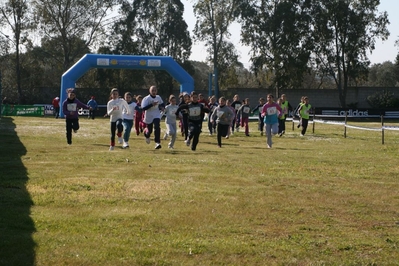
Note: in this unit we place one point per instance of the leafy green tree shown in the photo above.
(15, 15)
(71, 25)
(382, 75)
(147, 27)
(396, 70)
(213, 20)
(343, 33)
(278, 32)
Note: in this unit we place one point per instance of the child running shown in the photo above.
(128, 118)
(211, 106)
(222, 115)
(184, 100)
(228, 103)
(170, 120)
(271, 112)
(139, 124)
(258, 108)
(153, 105)
(303, 112)
(286, 107)
(236, 104)
(70, 108)
(114, 109)
(243, 114)
(195, 111)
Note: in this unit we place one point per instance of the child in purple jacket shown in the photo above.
(70, 109)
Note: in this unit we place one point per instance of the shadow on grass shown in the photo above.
(16, 226)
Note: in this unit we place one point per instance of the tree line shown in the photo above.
(321, 44)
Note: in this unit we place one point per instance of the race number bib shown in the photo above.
(260, 109)
(247, 109)
(220, 114)
(195, 111)
(237, 106)
(271, 110)
(72, 107)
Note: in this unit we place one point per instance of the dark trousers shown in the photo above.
(116, 126)
(184, 124)
(261, 124)
(71, 124)
(194, 130)
(56, 112)
(92, 113)
(222, 132)
(281, 125)
(155, 125)
(304, 123)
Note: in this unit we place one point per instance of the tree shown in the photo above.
(72, 25)
(396, 69)
(15, 15)
(382, 75)
(148, 27)
(213, 20)
(278, 32)
(344, 31)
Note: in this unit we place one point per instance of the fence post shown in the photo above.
(346, 119)
(314, 114)
(382, 129)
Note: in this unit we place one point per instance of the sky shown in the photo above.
(384, 50)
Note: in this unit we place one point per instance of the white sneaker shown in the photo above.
(158, 146)
(111, 148)
(147, 140)
(301, 135)
(165, 137)
(187, 141)
(125, 145)
(120, 140)
(170, 147)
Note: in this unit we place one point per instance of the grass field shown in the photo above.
(321, 199)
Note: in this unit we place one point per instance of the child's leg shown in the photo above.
(274, 129)
(268, 132)
(127, 126)
(68, 127)
(246, 126)
(283, 125)
(157, 130)
(280, 126)
(75, 125)
(137, 125)
(119, 127)
(304, 125)
(171, 130)
(113, 129)
(219, 134)
(148, 132)
(196, 133)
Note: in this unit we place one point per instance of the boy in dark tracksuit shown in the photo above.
(195, 115)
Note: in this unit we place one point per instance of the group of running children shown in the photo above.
(224, 117)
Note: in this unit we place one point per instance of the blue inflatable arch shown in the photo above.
(142, 62)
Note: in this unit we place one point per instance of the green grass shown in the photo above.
(321, 199)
